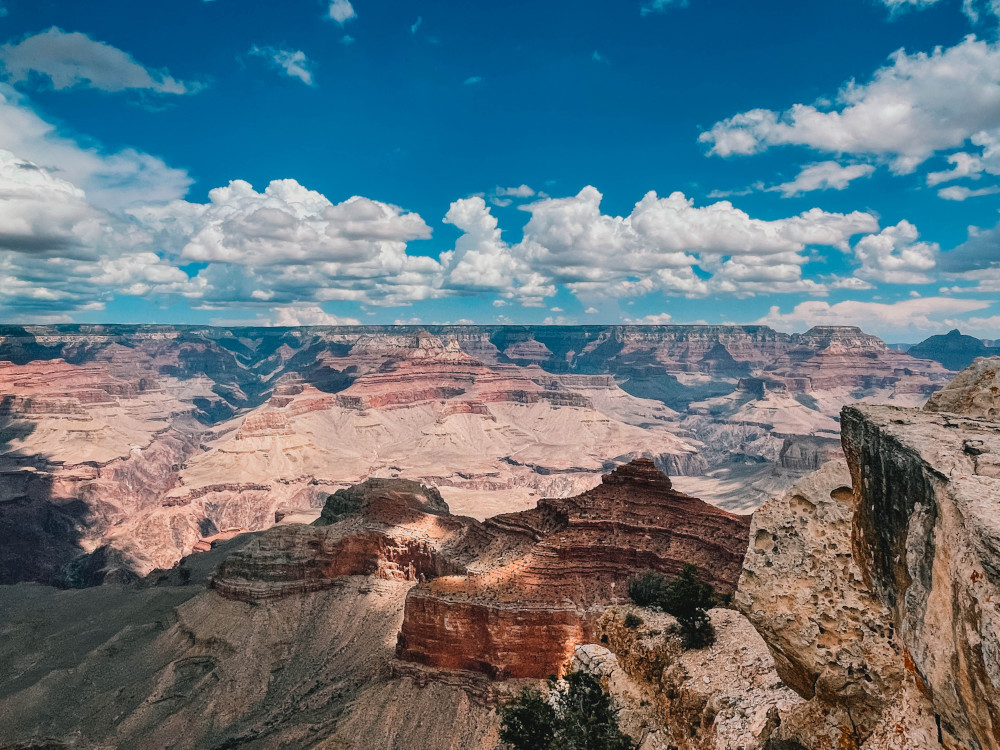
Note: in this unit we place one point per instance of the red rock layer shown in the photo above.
(521, 615)
(392, 532)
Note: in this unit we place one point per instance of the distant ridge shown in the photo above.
(954, 349)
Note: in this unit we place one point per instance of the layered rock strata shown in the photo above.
(521, 615)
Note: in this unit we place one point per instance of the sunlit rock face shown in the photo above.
(152, 441)
(520, 613)
(874, 582)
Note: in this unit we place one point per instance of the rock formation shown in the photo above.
(521, 615)
(874, 582)
(975, 392)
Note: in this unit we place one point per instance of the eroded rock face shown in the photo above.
(927, 540)
(389, 528)
(727, 695)
(975, 391)
(520, 613)
(833, 641)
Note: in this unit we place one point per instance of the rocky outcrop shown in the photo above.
(832, 640)
(388, 528)
(521, 613)
(975, 392)
(727, 695)
(875, 582)
(927, 540)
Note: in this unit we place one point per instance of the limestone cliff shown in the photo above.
(875, 583)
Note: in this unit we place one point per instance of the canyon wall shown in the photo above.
(144, 443)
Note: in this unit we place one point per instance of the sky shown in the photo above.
(405, 161)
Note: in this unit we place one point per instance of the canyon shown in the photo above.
(864, 612)
(125, 448)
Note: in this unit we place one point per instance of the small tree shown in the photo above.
(686, 597)
(528, 722)
(646, 589)
(582, 717)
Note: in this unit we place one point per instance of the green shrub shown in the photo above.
(632, 621)
(582, 717)
(528, 722)
(686, 597)
(645, 589)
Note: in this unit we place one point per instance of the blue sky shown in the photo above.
(321, 161)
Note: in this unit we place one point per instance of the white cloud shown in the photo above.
(591, 311)
(110, 180)
(658, 319)
(472, 80)
(519, 191)
(70, 59)
(893, 256)
(898, 5)
(483, 261)
(905, 316)
(342, 11)
(963, 165)
(308, 315)
(972, 8)
(293, 62)
(824, 175)
(961, 193)
(913, 107)
(285, 224)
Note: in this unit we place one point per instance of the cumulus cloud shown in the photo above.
(824, 175)
(664, 245)
(342, 11)
(308, 315)
(658, 319)
(916, 105)
(71, 59)
(894, 256)
(963, 165)
(905, 316)
(293, 63)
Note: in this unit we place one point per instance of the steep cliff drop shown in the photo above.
(875, 583)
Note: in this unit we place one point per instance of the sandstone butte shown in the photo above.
(511, 597)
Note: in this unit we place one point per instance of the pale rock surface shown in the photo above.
(975, 391)
(927, 539)
(724, 697)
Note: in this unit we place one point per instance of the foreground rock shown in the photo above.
(875, 583)
(727, 695)
(927, 540)
(975, 392)
(832, 640)
(521, 614)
